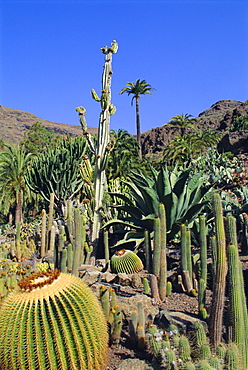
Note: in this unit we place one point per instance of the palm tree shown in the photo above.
(137, 89)
(13, 165)
(123, 155)
(182, 122)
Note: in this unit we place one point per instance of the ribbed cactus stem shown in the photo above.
(189, 253)
(146, 286)
(78, 241)
(148, 250)
(237, 301)
(141, 314)
(43, 233)
(104, 298)
(157, 247)
(69, 257)
(117, 325)
(184, 348)
(217, 306)
(141, 337)
(205, 352)
(184, 259)
(201, 295)
(50, 222)
(244, 235)
(163, 246)
(106, 245)
(63, 260)
(231, 230)
(203, 247)
(102, 143)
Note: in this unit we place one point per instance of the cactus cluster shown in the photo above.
(52, 320)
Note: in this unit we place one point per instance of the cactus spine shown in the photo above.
(53, 321)
(217, 306)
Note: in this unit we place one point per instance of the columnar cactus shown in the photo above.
(52, 321)
(217, 307)
(101, 149)
(238, 309)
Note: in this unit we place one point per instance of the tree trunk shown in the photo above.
(18, 210)
(138, 126)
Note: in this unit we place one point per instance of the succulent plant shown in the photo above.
(126, 261)
(52, 321)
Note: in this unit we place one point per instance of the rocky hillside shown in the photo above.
(13, 124)
(218, 117)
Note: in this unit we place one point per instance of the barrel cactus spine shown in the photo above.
(52, 321)
(125, 261)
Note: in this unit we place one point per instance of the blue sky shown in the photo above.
(193, 53)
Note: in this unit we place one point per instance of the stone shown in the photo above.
(90, 276)
(135, 364)
(124, 279)
(108, 277)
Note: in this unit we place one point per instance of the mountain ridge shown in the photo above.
(14, 122)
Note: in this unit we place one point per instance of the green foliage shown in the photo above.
(137, 88)
(181, 193)
(57, 171)
(123, 155)
(239, 123)
(52, 321)
(13, 166)
(38, 139)
(183, 122)
(189, 147)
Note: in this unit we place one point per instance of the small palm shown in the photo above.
(137, 89)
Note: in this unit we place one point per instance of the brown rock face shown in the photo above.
(218, 117)
(13, 124)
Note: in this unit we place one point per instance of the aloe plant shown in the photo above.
(182, 194)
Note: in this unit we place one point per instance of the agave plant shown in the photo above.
(184, 195)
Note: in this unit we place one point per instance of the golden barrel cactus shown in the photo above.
(52, 321)
(126, 261)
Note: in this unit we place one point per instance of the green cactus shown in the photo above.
(157, 247)
(189, 366)
(232, 358)
(201, 296)
(146, 286)
(221, 351)
(125, 261)
(148, 250)
(217, 307)
(163, 248)
(184, 348)
(238, 309)
(215, 363)
(205, 352)
(100, 149)
(52, 321)
(203, 365)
